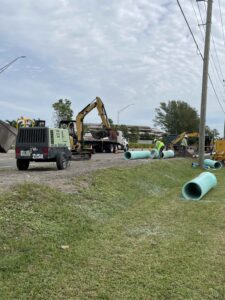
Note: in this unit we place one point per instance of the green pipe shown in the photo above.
(136, 154)
(154, 153)
(212, 163)
(167, 154)
(199, 186)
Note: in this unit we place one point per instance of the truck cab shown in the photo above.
(122, 141)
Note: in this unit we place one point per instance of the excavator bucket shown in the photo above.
(7, 136)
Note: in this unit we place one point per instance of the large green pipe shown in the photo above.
(136, 154)
(212, 163)
(199, 186)
(168, 153)
(154, 153)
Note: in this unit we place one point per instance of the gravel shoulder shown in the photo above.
(47, 173)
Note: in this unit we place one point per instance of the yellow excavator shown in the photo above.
(174, 143)
(111, 140)
(76, 127)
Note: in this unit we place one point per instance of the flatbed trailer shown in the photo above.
(103, 145)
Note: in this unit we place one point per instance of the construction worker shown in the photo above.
(184, 145)
(159, 145)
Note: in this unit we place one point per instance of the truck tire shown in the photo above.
(115, 149)
(22, 164)
(109, 148)
(61, 161)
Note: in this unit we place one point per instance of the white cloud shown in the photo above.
(123, 51)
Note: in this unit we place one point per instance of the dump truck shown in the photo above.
(7, 136)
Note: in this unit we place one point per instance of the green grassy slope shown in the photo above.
(125, 234)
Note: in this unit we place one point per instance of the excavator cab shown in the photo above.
(70, 125)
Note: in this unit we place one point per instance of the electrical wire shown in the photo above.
(210, 79)
(202, 35)
(221, 20)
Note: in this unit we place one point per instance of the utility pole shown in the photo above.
(204, 84)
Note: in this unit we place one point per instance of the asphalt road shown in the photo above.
(7, 160)
(47, 173)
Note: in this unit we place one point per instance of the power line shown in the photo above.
(210, 79)
(190, 29)
(212, 58)
(214, 45)
(221, 19)
(202, 34)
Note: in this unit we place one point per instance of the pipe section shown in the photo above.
(136, 154)
(212, 163)
(199, 186)
(167, 154)
(154, 153)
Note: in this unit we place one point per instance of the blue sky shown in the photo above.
(127, 51)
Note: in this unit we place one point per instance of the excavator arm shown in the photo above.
(96, 103)
(181, 136)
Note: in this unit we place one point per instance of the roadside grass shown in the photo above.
(125, 234)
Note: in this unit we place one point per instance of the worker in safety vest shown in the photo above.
(159, 145)
(184, 145)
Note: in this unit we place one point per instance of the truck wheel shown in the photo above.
(22, 164)
(61, 161)
(126, 148)
(109, 148)
(115, 149)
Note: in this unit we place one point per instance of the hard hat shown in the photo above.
(186, 136)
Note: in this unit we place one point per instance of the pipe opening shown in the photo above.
(192, 191)
(217, 165)
(127, 155)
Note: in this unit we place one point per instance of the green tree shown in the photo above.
(214, 133)
(12, 123)
(62, 110)
(176, 117)
(124, 129)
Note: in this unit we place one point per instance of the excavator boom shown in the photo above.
(97, 102)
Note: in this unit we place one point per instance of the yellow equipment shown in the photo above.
(24, 122)
(77, 139)
(182, 135)
(27, 122)
(97, 102)
(219, 150)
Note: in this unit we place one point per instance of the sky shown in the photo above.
(130, 53)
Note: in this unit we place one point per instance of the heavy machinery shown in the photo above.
(27, 122)
(7, 136)
(219, 150)
(173, 141)
(42, 144)
(105, 139)
(8, 133)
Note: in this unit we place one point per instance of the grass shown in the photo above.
(125, 234)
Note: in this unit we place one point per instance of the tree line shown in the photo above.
(173, 117)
